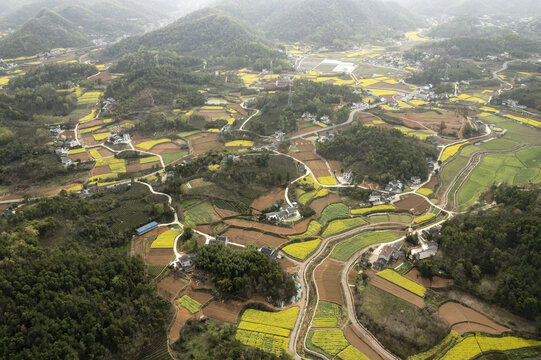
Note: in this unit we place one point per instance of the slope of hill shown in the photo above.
(208, 33)
(322, 21)
(47, 31)
(473, 7)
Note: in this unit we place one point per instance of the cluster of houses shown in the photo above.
(108, 104)
(327, 138)
(377, 197)
(389, 253)
(325, 119)
(394, 187)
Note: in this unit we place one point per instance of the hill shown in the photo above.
(323, 22)
(46, 31)
(207, 33)
(473, 7)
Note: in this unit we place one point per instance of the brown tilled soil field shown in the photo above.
(269, 199)
(431, 184)
(89, 140)
(298, 228)
(228, 312)
(212, 114)
(101, 170)
(105, 152)
(463, 319)
(320, 203)
(81, 157)
(201, 145)
(169, 287)
(436, 282)
(223, 213)
(133, 168)
(166, 148)
(181, 317)
(90, 124)
(247, 237)
(319, 168)
(356, 340)
(327, 277)
(200, 296)
(397, 291)
(414, 203)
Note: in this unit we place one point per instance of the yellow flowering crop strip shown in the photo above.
(102, 136)
(330, 341)
(322, 193)
(450, 339)
(351, 353)
(165, 240)
(424, 218)
(262, 328)
(149, 159)
(372, 209)
(328, 315)
(89, 97)
(327, 180)
(95, 154)
(525, 120)
(269, 343)
(77, 151)
(474, 345)
(451, 151)
(240, 143)
(425, 191)
(284, 319)
(342, 225)
(313, 229)
(419, 102)
(89, 116)
(189, 304)
(147, 145)
(302, 250)
(403, 282)
(116, 165)
(90, 129)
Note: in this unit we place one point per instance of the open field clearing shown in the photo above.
(342, 225)
(328, 282)
(203, 213)
(463, 319)
(169, 287)
(519, 168)
(474, 345)
(328, 315)
(224, 311)
(413, 203)
(251, 237)
(397, 291)
(346, 249)
(373, 209)
(402, 281)
(302, 250)
(436, 282)
(265, 201)
(166, 240)
(188, 303)
(332, 212)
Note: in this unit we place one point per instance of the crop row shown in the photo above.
(284, 319)
(403, 282)
(190, 304)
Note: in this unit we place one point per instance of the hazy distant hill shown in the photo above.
(46, 31)
(207, 33)
(322, 21)
(524, 8)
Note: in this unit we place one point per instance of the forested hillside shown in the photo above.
(496, 253)
(379, 154)
(210, 34)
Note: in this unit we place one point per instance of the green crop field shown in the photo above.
(514, 168)
(169, 158)
(332, 212)
(346, 249)
(401, 218)
(378, 219)
(202, 214)
(190, 304)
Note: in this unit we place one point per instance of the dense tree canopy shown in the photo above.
(501, 246)
(380, 154)
(245, 273)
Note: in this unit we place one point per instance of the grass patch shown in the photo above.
(169, 158)
(203, 213)
(346, 249)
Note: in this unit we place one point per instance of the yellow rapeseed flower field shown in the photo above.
(403, 282)
(301, 250)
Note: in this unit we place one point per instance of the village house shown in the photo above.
(117, 139)
(220, 239)
(274, 254)
(425, 251)
(63, 152)
(55, 130)
(389, 253)
(283, 215)
(325, 119)
(375, 197)
(394, 186)
(348, 176)
(66, 161)
(184, 263)
(71, 143)
(415, 180)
